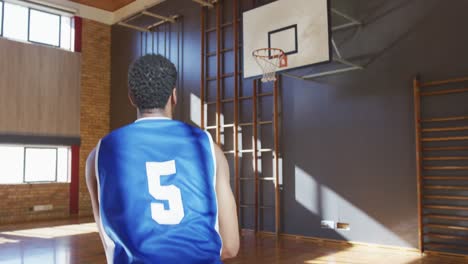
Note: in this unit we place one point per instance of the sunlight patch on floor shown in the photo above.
(343, 258)
(54, 232)
(365, 255)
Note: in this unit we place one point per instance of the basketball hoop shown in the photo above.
(269, 60)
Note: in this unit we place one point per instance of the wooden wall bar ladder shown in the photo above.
(442, 168)
(220, 28)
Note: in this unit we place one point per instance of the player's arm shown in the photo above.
(92, 183)
(228, 225)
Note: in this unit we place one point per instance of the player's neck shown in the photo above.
(154, 113)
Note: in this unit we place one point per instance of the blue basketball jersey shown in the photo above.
(156, 186)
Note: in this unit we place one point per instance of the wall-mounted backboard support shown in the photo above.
(337, 56)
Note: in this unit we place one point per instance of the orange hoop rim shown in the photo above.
(255, 53)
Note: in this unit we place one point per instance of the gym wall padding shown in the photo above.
(39, 90)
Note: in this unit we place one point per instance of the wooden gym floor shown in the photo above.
(77, 241)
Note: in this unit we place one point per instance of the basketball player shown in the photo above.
(160, 188)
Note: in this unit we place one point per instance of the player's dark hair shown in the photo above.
(151, 79)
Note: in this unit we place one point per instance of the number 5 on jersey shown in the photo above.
(171, 193)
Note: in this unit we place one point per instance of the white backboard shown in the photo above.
(299, 27)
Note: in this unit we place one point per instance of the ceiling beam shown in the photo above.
(164, 18)
(133, 27)
(173, 18)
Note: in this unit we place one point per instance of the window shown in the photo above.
(34, 164)
(11, 164)
(40, 164)
(66, 33)
(15, 22)
(26, 21)
(44, 28)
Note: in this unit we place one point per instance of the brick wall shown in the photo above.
(16, 202)
(95, 96)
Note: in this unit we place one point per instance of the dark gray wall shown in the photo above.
(347, 140)
(179, 42)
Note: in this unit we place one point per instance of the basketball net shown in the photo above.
(269, 60)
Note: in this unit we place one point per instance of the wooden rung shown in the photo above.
(445, 129)
(446, 168)
(241, 124)
(446, 197)
(445, 187)
(445, 119)
(214, 53)
(446, 158)
(222, 126)
(252, 205)
(446, 246)
(445, 148)
(446, 178)
(258, 95)
(227, 24)
(260, 123)
(251, 150)
(265, 122)
(248, 151)
(226, 75)
(265, 94)
(444, 139)
(261, 178)
(449, 227)
(246, 124)
(449, 81)
(267, 179)
(447, 217)
(266, 150)
(445, 236)
(448, 91)
(446, 207)
(222, 101)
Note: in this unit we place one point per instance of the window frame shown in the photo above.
(3, 21)
(56, 11)
(25, 147)
(3, 17)
(24, 164)
(59, 31)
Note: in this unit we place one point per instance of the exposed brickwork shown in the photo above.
(16, 202)
(95, 96)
